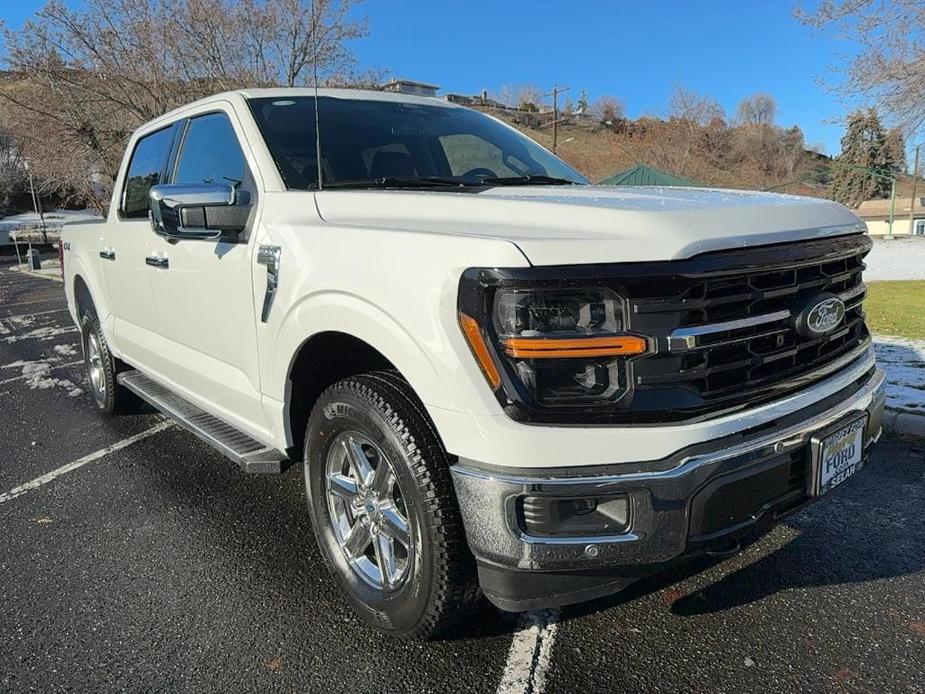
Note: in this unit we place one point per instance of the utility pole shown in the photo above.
(915, 180)
(556, 90)
(37, 205)
(892, 206)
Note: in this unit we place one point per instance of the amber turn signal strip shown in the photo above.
(571, 348)
(473, 333)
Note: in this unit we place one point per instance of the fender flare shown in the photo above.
(355, 316)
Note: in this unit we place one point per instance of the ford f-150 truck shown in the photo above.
(498, 378)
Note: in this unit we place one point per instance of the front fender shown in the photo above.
(355, 316)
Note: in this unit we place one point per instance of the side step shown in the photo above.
(250, 454)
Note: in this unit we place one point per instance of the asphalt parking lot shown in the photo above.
(155, 565)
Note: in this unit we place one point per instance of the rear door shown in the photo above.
(127, 241)
(203, 288)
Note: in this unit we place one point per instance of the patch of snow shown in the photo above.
(21, 321)
(899, 259)
(53, 219)
(41, 334)
(66, 350)
(37, 376)
(904, 363)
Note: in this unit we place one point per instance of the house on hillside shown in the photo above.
(642, 175)
(404, 86)
(876, 213)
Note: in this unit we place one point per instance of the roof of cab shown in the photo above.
(290, 92)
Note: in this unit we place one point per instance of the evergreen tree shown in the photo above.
(583, 101)
(896, 146)
(864, 154)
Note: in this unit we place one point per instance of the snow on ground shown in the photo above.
(904, 362)
(899, 259)
(54, 220)
(42, 334)
(37, 376)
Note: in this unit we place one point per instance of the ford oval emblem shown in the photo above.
(821, 315)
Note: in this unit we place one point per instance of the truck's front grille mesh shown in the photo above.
(730, 334)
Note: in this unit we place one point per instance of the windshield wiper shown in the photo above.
(528, 180)
(405, 182)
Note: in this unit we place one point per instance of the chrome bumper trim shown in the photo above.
(657, 498)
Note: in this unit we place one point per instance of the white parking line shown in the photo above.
(29, 303)
(30, 315)
(80, 462)
(530, 655)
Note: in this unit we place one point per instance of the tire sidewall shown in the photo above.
(90, 325)
(342, 410)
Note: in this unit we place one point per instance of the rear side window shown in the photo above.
(211, 152)
(145, 170)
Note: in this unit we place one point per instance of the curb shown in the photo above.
(904, 423)
(43, 275)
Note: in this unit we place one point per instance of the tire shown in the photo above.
(430, 581)
(102, 367)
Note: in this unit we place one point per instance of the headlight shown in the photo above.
(565, 345)
(560, 347)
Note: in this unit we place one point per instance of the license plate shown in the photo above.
(837, 455)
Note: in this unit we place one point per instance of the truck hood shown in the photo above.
(560, 225)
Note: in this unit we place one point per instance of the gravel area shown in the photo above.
(899, 259)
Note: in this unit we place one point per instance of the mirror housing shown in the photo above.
(197, 210)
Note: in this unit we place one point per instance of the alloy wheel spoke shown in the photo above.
(358, 461)
(395, 525)
(385, 557)
(343, 487)
(357, 540)
(383, 479)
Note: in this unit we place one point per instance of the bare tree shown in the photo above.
(687, 105)
(12, 171)
(607, 109)
(83, 79)
(526, 97)
(758, 109)
(890, 67)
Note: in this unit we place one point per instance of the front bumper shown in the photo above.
(697, 500)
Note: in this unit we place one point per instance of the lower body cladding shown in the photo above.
(549, 538)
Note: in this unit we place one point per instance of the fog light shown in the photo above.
(577, 516)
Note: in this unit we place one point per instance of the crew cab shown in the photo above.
(498, 379)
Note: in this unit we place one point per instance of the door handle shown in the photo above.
(108, 254)
(269, 256)
(157, 261)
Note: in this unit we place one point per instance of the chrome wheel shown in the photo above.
(95, 365)
(368, 511)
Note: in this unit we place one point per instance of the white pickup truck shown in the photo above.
(499, 379)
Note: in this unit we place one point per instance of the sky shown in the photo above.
(636, 51)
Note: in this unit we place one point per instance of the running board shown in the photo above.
(249, 453)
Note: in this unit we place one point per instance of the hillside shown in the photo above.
(735, 161)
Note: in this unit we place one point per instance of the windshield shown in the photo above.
(367, 143)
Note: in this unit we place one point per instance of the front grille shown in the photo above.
(730, 335)
(724, 325)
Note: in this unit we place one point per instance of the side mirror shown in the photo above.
(197, 210)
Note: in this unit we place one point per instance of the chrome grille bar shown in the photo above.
(684, 339)
(687, 339)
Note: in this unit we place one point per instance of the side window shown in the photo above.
(465, 152)
(144, 171)
(211, 152)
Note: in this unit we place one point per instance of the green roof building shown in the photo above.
(644, 176)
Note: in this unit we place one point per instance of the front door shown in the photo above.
(203, 290)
